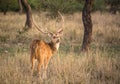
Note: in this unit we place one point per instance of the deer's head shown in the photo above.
(55, 37)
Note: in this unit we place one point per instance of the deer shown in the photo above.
(43, 51)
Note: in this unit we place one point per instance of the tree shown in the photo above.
(28, 12)
(114, 5)
(6, 5)
(87, 22)
(21, 7)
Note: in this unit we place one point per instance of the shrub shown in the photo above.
(8, 5)
(4, 38)
(114, 5)
(68, 6)
(99, 5)
(35, 4)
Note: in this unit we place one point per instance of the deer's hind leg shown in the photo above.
(45, 67)
(32, 59)
(40, 64)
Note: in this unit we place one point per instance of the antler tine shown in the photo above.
(39, 28)
(61, 18)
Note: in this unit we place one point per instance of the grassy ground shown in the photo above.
(68, 66)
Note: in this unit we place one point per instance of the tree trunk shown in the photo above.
(6, 9)
(21, 7)
(87, 22)
(28, 13)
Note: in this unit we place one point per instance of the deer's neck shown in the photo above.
(54, 47)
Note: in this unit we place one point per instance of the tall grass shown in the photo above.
(92, 68)
(68, 66)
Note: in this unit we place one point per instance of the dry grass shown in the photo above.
(69, 66)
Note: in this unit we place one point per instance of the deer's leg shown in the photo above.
(40, 63)
(45, 67)
(32, 63)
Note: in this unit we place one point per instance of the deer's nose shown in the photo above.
(58, 40)
(54, 37)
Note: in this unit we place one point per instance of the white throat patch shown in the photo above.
(57, 45)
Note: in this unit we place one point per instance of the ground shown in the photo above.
(69, 65)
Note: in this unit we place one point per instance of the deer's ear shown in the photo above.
(60, 31)
(50, 34)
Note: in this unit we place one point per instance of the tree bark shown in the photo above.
(87, 22)
(28, 12)
(21, 7)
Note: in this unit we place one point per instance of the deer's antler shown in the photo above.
(61, 18)
(39, 28)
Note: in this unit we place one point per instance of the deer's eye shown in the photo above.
(57, 35)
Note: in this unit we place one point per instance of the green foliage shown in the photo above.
(114, 5)
(61, 5)
(99, 5)
(9, 5)
(68, 6)
(115, 2)
(35, 4)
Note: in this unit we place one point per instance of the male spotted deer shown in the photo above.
(43, 51)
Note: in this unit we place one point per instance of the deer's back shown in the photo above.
(40, 49)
